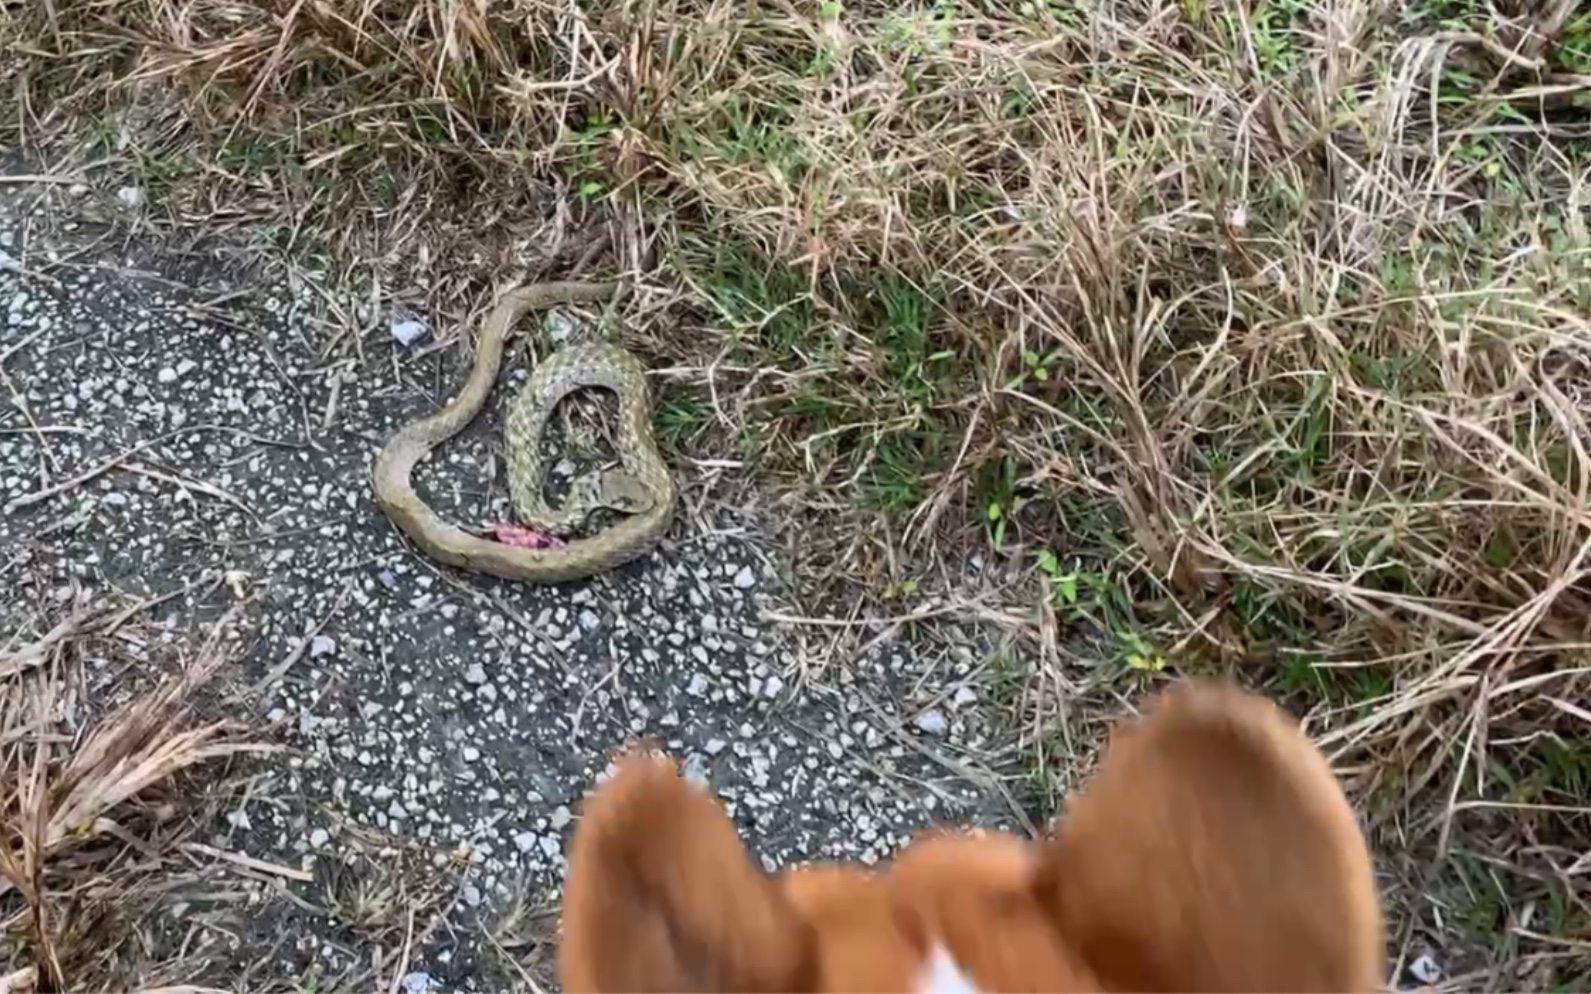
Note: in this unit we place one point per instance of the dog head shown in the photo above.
(1212, 851)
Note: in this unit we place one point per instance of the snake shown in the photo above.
(642, 487)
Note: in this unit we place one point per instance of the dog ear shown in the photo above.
(662, 896)
(1215, 851)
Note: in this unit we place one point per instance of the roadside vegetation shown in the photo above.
(1229, 337)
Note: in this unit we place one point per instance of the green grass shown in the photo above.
(1254, 338)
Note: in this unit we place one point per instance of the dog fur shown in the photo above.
(1213, 850)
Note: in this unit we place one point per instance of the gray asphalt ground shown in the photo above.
(166, 421)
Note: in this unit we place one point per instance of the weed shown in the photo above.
(94, 812)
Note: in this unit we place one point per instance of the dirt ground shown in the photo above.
(438, 728)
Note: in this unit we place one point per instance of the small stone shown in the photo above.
(834, 750)
(131, 197)
(475, 674)
(1424, 969)
(745, 579)
(715, 746)
(964, 695)
(525, 841)
(417, 982)
(772, 687)
(407, 332)
(697, 686)
(396, 811)
(166, 375)
(471, 895)
(319, 837)
(560, 817)
(322, 645)
(239, 819)
(471, 754)
(932, 722)
(551, 847)
(559, 326)
(696, 767)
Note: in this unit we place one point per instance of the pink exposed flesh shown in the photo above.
(525, 538)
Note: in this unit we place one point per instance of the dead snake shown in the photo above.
(644, 486)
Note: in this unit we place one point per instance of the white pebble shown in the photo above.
(696, 768)
(559, 326)
(406, 333)
(1425, 970)
(417, 982)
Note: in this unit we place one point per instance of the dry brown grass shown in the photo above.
(91, 802)
(1242, 335)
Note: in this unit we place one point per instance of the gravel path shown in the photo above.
(437, 719)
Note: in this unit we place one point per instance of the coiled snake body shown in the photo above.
(644, 487)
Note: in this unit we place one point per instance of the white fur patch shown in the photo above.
(943, 976)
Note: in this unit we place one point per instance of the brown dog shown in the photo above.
(1213, 851)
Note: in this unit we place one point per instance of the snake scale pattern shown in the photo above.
(643, 485)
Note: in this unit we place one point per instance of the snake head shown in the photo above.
(618, 491)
